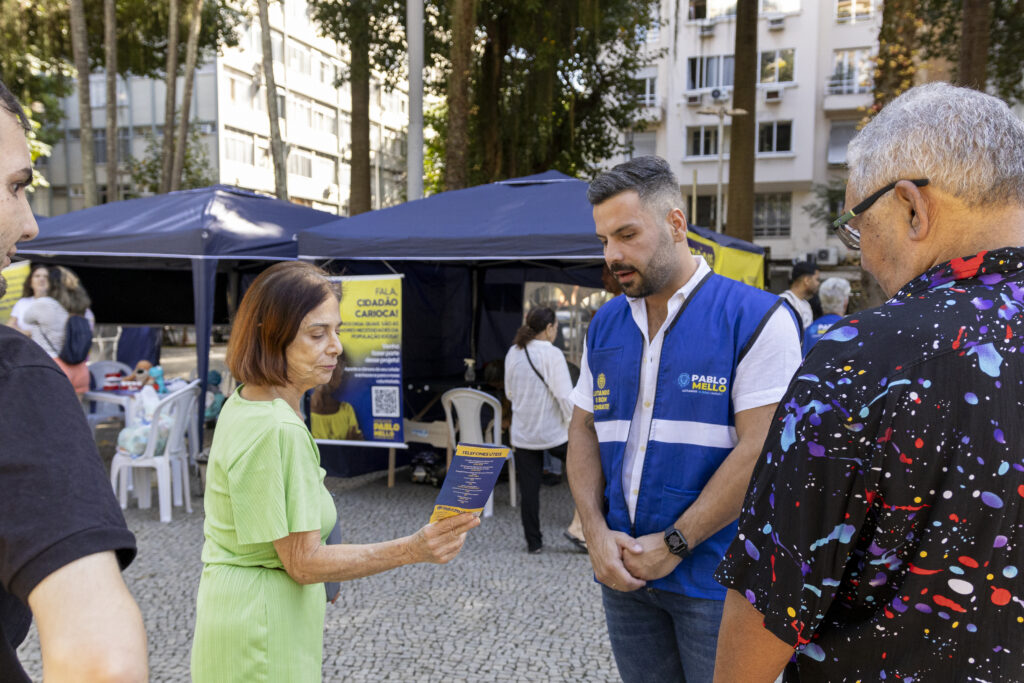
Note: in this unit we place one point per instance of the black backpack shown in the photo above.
(77, 340)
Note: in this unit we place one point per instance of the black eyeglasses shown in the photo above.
(850, 235)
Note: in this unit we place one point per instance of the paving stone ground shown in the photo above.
(495, 613)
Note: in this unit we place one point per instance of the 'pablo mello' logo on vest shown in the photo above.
(703, 384)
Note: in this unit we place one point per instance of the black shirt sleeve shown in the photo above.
(56, 502)
(801, 518)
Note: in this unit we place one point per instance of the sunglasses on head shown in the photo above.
(849, 235)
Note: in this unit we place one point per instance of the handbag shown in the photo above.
(333, 587)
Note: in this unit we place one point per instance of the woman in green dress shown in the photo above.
(260, 608)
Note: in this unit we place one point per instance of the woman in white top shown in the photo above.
(538, 386)
(47, 316)
(37, 285)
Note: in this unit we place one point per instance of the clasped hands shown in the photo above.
(624, 563)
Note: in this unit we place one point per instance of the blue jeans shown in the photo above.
(660, 636)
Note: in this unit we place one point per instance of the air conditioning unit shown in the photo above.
(776, 23)
(719, 95)
(773, 96)
(707, 30)
(827, 256)
(694, 99)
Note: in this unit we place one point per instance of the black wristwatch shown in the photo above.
(676, 542)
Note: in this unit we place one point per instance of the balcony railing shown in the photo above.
(839, 85)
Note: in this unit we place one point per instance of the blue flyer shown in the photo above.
(470, 480)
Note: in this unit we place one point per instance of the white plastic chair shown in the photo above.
(171, 466)
(101, 412)
(463, 406)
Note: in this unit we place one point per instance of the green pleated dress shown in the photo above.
(264, 481)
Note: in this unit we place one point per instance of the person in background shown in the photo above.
(835, 295)
(881, 537)
(331, 418)
(803, 284)
(677, 388)
(47, 317)
(63, 540)
(261, 602)
(537, 384)
(37, 285)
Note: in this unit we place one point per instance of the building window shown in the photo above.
(775, 136)
(853, 11)
(301, 111)
(264, 157)
(328, 72)
(324, 120)
(707, 208)
(851, 72)
(645, 91)
(703, 141)
(300, 163)
(99, 145)
(777, 66)
(238, 147)
(772, 214)
(323, 170)
(839, 137)
(710, 9)
(710, 72)
(642, 144)
(276, 46)
(299, 59)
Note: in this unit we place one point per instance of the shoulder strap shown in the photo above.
(530, 361)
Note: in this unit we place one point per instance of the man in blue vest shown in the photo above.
(678, 384)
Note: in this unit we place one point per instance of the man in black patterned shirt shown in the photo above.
(882, 536)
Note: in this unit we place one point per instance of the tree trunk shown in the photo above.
(489, 94)
(463, 26)
(359, 194)
(894, 73)
(167, 157)
(191, 53)
(742, 150)
(80, 49)
(276, 141)
(974, 41)
(110, 65)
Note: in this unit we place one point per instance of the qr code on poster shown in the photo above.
(385, 402)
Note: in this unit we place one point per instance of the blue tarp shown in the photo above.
(541, 217)
(200, 227)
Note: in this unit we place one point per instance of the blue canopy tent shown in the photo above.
(190, 229)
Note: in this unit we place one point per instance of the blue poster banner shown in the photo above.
(362, 404)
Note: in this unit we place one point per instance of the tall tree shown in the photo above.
(171, 96)
(276, 141)
(191, 54)
(110, 69)
(463, 27)
(80, 47)
(974, 39)
(744, 139)
(372, 30)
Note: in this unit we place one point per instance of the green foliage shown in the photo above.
(828, 201)
(37, 149)
(554, 84)
(145, 172)
(385, 20)
(941, 39)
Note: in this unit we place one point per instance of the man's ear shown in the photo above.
(677, 222)
(914, 205)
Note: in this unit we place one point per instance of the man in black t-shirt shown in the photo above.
(63, 539)
(881, 535)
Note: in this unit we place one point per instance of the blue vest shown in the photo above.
(693, 425)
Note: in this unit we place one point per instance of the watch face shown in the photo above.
(676, 543)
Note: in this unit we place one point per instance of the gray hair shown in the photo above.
(833, 294)
(965, 142)
(649, 176)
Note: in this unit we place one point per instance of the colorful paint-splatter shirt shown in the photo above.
(883, 531)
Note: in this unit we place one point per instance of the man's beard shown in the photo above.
(655, 276)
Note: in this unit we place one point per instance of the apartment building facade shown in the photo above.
(229, 111)
(814, 78)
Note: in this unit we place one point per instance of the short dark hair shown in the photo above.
(9, 102)
(646, 175)
(802, 268)
(269, 317)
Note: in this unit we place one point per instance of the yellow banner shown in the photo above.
(745, 266)
(15, 274)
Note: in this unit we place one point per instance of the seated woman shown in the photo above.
(261, 602)
(47, 316)
(331, 417)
